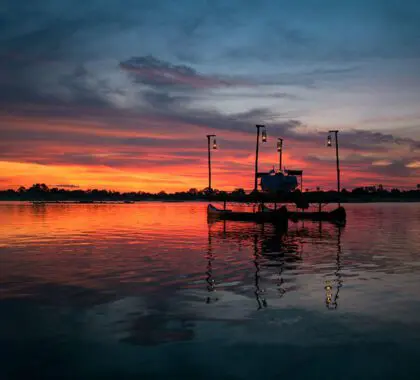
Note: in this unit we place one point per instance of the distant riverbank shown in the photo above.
(42, 193)
(344, 201)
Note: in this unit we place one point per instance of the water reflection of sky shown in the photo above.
(149, 274)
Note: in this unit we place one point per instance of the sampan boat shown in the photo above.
(336, 215)
(278, 216)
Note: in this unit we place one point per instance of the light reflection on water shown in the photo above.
(149, 280)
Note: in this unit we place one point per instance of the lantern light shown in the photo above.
(214, 144)
(279, 145)
(264, 135)
(329, 140)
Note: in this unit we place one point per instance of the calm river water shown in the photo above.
(153, 291)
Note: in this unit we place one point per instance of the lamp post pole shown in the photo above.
(280, 150)
(337, 161)
(209, 157)
(258, 126)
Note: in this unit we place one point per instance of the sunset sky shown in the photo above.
(120, 94)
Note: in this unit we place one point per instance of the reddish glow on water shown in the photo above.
(119, 278)
(125, 249)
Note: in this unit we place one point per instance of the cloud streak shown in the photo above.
(154, 72)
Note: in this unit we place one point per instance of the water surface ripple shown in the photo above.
(155, 290)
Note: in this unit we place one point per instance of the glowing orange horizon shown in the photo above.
(169, 156)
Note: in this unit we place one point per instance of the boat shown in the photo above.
(336, 215)
(212, 210)
(275, 216)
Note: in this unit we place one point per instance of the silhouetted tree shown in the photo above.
(41, 191)
(193, 191)
(359, 191)
(238, 191)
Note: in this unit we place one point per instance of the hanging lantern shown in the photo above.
(214, 144)
(264, 135)
(329, 140)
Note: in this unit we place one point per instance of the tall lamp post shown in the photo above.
(210, 139)
(280, 150)
(263, 139)
(337, 160)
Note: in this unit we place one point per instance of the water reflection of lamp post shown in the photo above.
(280, 150)
(263, 139)
(331, 303)
(209, 273)
(209, 138)
(337, 160)
(260, 301)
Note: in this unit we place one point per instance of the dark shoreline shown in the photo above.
(352, 201)
(42, 193)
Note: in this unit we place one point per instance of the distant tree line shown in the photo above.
(41, 192)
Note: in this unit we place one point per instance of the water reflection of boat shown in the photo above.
(277, 255)
(278, 216)
(270, 252)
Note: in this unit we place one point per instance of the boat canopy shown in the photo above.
(294, 172)
(278, 182)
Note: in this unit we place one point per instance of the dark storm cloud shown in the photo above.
(54, 39)
(397, 168)
(154, 72)
(365, 172)
(242, 122)
(358, 163)
(366, 140)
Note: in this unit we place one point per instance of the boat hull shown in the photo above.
(337, 215)
(279, 216)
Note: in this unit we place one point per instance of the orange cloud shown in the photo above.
(153, 153)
